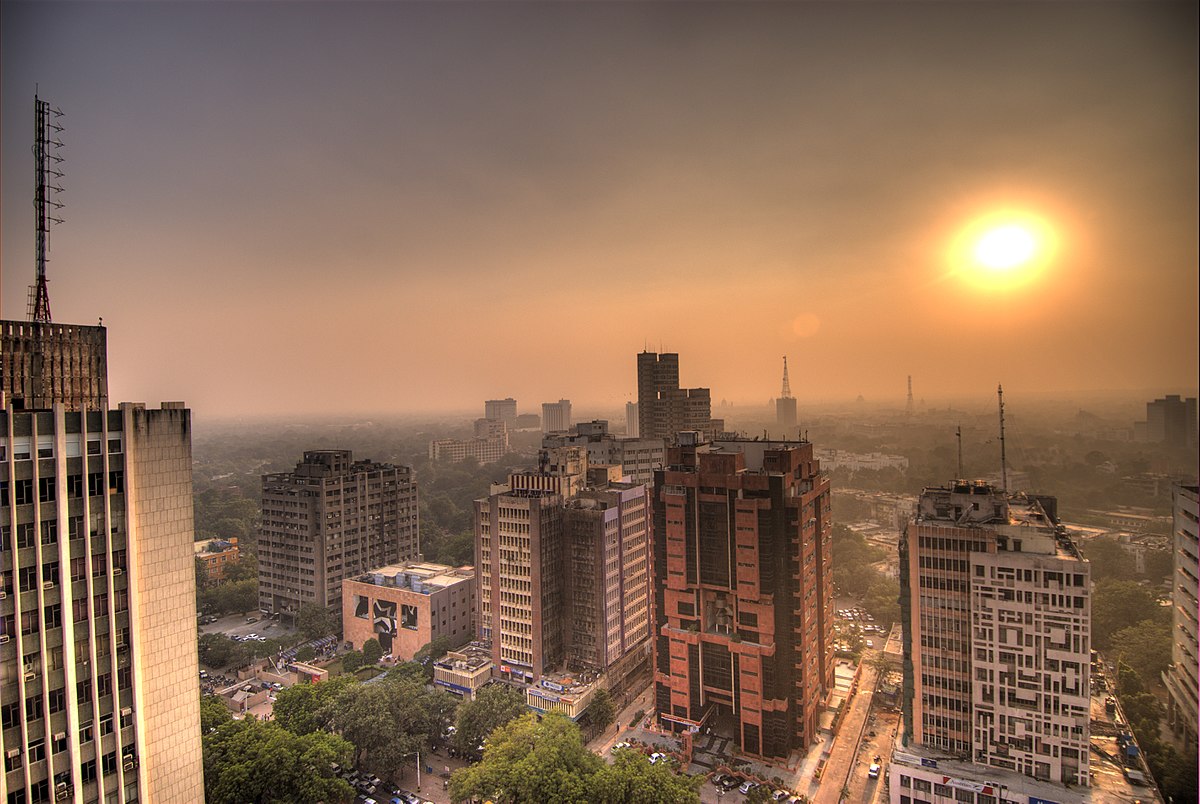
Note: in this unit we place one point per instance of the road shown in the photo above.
(843, 756)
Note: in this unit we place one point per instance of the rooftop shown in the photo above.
(418, 576)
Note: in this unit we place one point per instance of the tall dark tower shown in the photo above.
(46, 172)
(909, 407)
(785, 405)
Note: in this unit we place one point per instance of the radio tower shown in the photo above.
(909, 408)
(785, 405)
(787, 387)
(45, 200)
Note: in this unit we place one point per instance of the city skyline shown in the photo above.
(282, 184)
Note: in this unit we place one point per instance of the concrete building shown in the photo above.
(463, 671)
(665, 409)
(744, 605)
(631, 420)
(332, 518)
(504, 410)
(406, 606)
(489, 445)
(857, 461)
(1171, 420)
(215, 555)
(563, 571)
(637, 458)
(556, 416)
(995, 604)
(1180, 677)
(98, 663)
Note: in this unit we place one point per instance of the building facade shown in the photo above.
(1171, 420)
(98, 660)
(504, 410)
(407, 606)
(332, 518)
(1180, 677)
(665, 409)
(637, 458)
(215, 555)
(556, 416)
(744, 596)
(995, 605)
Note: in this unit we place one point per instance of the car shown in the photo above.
(747, 786)
(718, 779)
(251, 620)
(870, 643)
(779, 795)
(873, 771)
(656, 758)
(622, 744)
(731, 782)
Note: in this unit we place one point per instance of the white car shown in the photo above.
(656, 758)
(747, 786)
(873, 771)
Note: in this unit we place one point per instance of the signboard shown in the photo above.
(928, 763)
(552, 685)
(962, 784)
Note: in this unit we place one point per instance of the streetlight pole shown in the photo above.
(418, 770)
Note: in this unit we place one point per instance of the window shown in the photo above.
(10, 715)
(46, 489)
(26, 535)
(58, 700)
(24, 491)
(50, 532)
(74, 486)
(33, 708)
(116, 482)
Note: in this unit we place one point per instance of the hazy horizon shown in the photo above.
(316, 209)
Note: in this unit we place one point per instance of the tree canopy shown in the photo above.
(314, 621)
(213, 713)
(297, 706)
(255, 762)
(1120, 604)
(494, 705)
(1145, 647)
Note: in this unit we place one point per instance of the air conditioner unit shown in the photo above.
(62, 792)
(62, 735)
(30, 676)
(47, 584)
(4, 638)
(3, 594)
(128, 765)
(13, 753)
(117, 571)
(127, 711)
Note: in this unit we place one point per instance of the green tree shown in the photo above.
(218, 650)
(352, 661)
(527, 760)
(314, 621)
(1146, 647)
(433, 650)
(1120, 604)
(759, 795)
(631, 778)
(1109, 561)
(296, 707)
(494, 705)
(213, 713)
(201, 578)
(412, 671)
(305, 653)
(600, 710)
(883, 599)
(372, 651)
(252, 761)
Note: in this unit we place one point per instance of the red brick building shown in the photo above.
(744, 595)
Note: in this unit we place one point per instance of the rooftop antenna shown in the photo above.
(1003, 461)
(787, 387)
(958, 435)
(909, 407)
(45, 201)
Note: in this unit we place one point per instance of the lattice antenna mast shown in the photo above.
(787, 386)
(1003, 460)
(47, 159)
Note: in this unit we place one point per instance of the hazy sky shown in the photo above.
(306, 207)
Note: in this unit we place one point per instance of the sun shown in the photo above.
(1003, 250)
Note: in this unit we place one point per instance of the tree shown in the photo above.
(305, 652)
(1145, 647)
(600, 710)
(527, 760)
(372, 651)
(1109, 560)
(388, 721)
(1119, 604)
(433, 650)
(314, 621)
(218, 650)
(201, 577)
(494, 705)
(213, 713)
(296, 707)
(252, 761)
(352, 661)
(759, 795)
(631, 778)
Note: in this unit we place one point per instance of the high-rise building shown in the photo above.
(631, 420)
(665, 409)
(332, 518)
(995, 605)
(504, 410)
(637, 458)
(744, 603)
(1180, 677)
(98, 660)
(489, 445)
(563, 570)
(1171, 420)
(556, 416)
(785, 406)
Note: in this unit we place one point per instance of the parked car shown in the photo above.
(873, 771)
(779, 795)
(747, 786)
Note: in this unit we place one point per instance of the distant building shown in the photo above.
(98, 656)
(406, 606)
(1180, 678)
(995, 606)
(504, 410)
(743, 624)
(489, 445)
(527, 421)
(631, 420)
(464, 671)
(330, 519)
(785, 406)
(215, 555)
(556, 416)
(665, 409)
(856, 461)
(637, 458)
(1170, 420)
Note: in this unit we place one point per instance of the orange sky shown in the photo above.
(369, 207)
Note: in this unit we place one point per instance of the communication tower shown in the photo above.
(47, 161)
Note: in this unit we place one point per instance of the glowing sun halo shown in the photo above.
(1003, 251)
